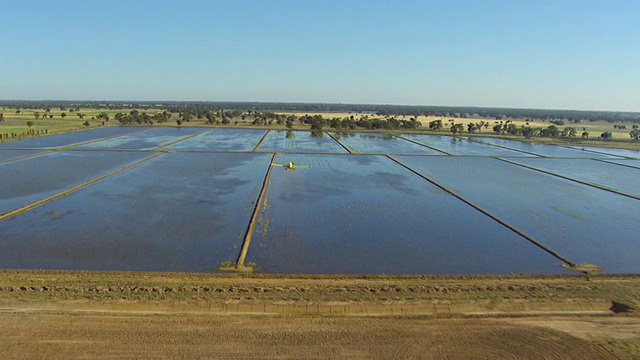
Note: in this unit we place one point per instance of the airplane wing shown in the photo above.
(280, 165)
(301, 166)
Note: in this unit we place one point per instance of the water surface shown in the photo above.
(545, 150)
(582, 223)
(620, 178)
(242, 140)
(462, 146)
(177, 212)
(36, 178)
(300, 142)
(377, 143)
(147, 140)
(366, 214)
(68, 139)
(8, 155)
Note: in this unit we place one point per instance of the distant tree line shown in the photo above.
(504, 127)
(200, 109)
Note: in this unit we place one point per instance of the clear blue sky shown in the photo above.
(515, 53)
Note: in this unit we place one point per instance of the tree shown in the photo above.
(317, 124)
(186, 116)
(528, 132)
(103, 115)
(63, 115)
(550, 131)
(211, 118)
(80, 115)
(36, 115)
(606, 135)
(634, 134)
(1, 117)
(435, 124)
(585, 134)
(86, 123)
(569, 132)
(457, 128)
(471, 127)
(30, 124)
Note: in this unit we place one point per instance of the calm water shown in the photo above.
(29, 180)
(610, 176)
(178, 212)
(300, 141)
(8, 155)
(634, 154)
(146, 140)
(580, 222)
(62, 140)
(375, 143)
(367, 214)
(242, 140)
(188, 209)
(462, 146)
(626, 162)
(541, 149)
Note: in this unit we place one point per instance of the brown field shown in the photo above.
(61, 315)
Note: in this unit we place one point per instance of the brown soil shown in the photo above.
(47, 314)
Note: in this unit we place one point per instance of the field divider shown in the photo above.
(597, 186)
(427, 146)
(339, 143)
(67, 147)
(252, 222)
(608, 161)
(498, 220)
(255, 148)
(159, 148)
(25, 156)
(73, 189)
(471, 138)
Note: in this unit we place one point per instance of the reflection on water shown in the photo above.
(367, 214)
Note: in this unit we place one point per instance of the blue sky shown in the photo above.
(527, 54)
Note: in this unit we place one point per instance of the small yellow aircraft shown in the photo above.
(291, 166)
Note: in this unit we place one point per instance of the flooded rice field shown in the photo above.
(542, 149)
(193, 199)
(462, 146)
(68, 139)
(8, 155)
(300, 142)
(236, 140)
(145, 140)
(633, 154)
(377, 143)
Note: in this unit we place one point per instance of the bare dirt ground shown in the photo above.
(56, 315)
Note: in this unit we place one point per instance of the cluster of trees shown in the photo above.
(371, 117)
(508, 127)
(198, 109)
(318, 122)
(137, 117)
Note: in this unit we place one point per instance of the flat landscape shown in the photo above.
(200, 199)
(75, 314)
(137, 228)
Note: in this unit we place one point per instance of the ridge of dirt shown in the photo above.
(79, 314)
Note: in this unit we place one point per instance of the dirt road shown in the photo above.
(62, 315)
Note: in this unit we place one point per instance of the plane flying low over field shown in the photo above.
(291, 166)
